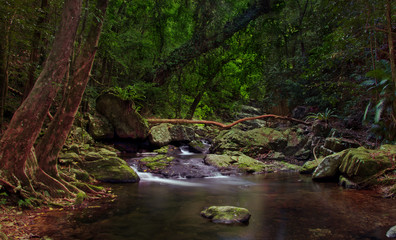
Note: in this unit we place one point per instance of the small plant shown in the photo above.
(322, 116)
(3, 200)
(25, 203)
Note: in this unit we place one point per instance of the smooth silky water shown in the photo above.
(283, 206)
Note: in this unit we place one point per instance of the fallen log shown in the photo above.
(225, 126)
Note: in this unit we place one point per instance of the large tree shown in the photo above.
(17, 142)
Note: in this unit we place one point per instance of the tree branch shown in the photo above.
(225, 126)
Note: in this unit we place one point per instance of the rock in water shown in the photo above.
(122, 115)
(226, 214)
(391, 232)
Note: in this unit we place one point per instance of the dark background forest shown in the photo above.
(203, 59)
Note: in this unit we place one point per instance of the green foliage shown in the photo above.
(3, 196)
(25, 203)
(380, 84)
(322, 116)
(81, 196)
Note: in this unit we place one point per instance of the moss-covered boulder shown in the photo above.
(226, 214)
(296, 139)
(239, 162)
(163, 134)
(251, 143)
(160, 135)
(156, 163)
(309, 167)
(328, 167)
(361, 163)
(126, 121)
(99, 127)
(112, 169)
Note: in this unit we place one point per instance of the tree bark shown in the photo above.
(22, 132)
(53, 140)
(224, 126)
(197, 46)
(3, 73)
(392, 54)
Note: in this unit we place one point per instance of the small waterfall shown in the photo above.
(149, 177)
(185, 150)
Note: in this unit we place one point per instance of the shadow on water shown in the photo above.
(283, 206)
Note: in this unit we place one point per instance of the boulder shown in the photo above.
(165, 133)
(123, 116)
(391, 233)
(251, 143)
(99, 127)
(360, 163)
(296, 140)
(112, 169)
(339, 144)
(328, 167)
(155, 163)
(239, 162)
(226, 214)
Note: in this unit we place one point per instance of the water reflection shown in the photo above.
(283, 206)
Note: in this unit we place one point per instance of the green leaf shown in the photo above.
(378, 110)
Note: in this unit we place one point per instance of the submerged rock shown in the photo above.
(391, 232)
(226, 214)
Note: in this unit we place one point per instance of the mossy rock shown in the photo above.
(226, 214)
(80, 174)
(328, 168)
(360, 163)
(112, 169)
(106, 153)
(162, 150)
(346, 183)
(219, 161)
(238, 161)
(309, 167)
(69, 158)
(99, 127)
(92, 156)
(248, 164)
(156, 163)
(160, 135)
(251, 143)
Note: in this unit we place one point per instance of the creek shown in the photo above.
(284, 206)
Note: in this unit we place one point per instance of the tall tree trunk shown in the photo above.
(198, 46)
(52, 142)
(3, 72)
(22, 132)
(35, 54)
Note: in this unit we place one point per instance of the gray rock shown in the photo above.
(160, 135)
(328, 167)
(391, 233)
(226, 214)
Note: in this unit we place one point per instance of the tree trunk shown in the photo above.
(23, 130)
(35, 54)
(52, 142)
(3, 72)
(197, 46)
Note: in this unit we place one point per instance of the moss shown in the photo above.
(81, 175)
(361, 163)
(158, 162)
(81, 196)
(162, 150)
(309, 167)
(226, 214)
(219, 161)
(248, 164)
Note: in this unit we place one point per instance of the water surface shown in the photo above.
(283, 206)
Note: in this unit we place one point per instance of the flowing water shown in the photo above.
(284, 206)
